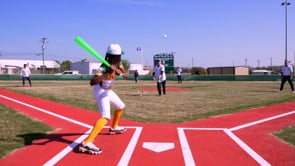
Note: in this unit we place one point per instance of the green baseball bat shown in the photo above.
(87, 47)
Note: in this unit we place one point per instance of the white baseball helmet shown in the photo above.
(114, 49)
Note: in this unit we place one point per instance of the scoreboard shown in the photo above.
(167, 60)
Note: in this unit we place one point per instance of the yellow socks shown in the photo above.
(100, 123)
(117, 115)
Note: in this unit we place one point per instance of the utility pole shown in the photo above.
(286, 4)
(43, 54)
(271, 63)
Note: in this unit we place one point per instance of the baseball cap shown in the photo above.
(114, 49)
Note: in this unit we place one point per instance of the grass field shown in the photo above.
(202, 99)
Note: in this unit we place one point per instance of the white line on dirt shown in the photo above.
(246, 148)
(187, 154)
(186, 151)
(261, 121)
(130, 148)
(66, 150)
(124, 159)
(48, 112)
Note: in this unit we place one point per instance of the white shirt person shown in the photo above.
(25, 74)
(160, 76)
(287, 75)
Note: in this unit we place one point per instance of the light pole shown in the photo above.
(286, 3)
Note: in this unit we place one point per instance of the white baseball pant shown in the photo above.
(104, 100)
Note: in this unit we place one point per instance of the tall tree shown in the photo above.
(65, 65)
(126, 64)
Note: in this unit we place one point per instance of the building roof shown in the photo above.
(31, 63)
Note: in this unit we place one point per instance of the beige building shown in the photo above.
(13, 66)
(235, 70)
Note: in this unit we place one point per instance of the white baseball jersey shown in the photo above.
(107, 84)
(25, 72)
(178, 71)
(158, 70)
(287, 70)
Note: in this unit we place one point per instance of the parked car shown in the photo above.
(69, 72)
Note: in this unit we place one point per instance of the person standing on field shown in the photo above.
(136, 76)
(102, 83)
(160, 76)
(287, 75)
(178, 74)
(25, 74)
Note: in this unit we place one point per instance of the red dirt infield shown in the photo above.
(242, 138)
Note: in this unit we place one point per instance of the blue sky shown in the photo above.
(205, 33)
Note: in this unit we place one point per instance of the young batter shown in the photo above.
(105, 96)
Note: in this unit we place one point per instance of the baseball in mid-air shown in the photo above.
(165, 35)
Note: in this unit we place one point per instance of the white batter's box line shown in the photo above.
(198, 128)
(124, 159)
(187, 154)
(188, 157)
(126, 155)
(131, 146)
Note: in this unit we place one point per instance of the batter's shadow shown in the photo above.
(43, 139)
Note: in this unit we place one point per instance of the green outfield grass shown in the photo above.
(202, 99)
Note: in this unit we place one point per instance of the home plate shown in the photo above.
(158, 146)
